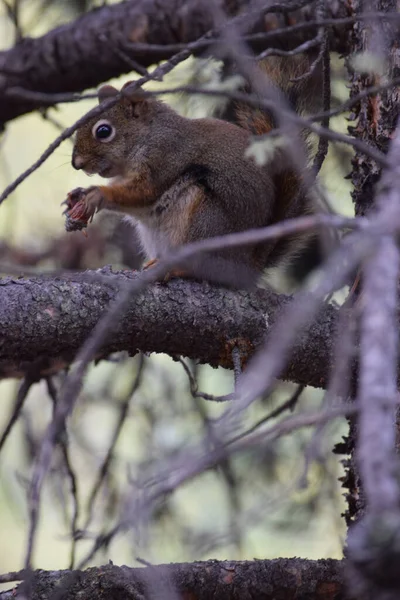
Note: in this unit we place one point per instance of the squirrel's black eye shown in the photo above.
(103, 131)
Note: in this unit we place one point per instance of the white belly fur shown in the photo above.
(154, 242)
(156, 229)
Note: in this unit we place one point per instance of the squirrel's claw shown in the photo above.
(72, 199)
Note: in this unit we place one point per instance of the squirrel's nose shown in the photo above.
(78, 162)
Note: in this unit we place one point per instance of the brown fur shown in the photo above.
(254, 120)
(181, 225)
(138, 191)
(292, 76)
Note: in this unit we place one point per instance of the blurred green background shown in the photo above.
(267, 511)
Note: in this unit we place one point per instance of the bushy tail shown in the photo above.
(297, 78)
(299, 81)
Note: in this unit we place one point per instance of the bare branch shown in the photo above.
(230, 580)
(70, 309)
(19, 403)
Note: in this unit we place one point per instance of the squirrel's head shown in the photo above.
(105, 143)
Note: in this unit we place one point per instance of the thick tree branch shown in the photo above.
(226, 580)
(44, 322)
(109, 41)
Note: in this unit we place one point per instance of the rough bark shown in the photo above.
(375, 116)
(44, 321)
(104, 43)
(376, 119)
(294, 579)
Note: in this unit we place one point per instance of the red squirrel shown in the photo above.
(182, 180)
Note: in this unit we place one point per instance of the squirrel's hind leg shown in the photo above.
(172, 274)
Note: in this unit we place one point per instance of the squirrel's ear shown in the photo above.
(135, 95)
(135, 102)
(106, 91)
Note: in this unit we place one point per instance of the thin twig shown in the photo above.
(289, 404)
(237, 365)
(19, 403)
(133, 64)
(194, 387)
(304, 47)
(107, 462)
(323, 142)
(71, 476)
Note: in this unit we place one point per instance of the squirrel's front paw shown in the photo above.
(73, 198)
(82, 204)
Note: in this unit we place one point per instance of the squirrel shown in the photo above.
(182, 180)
